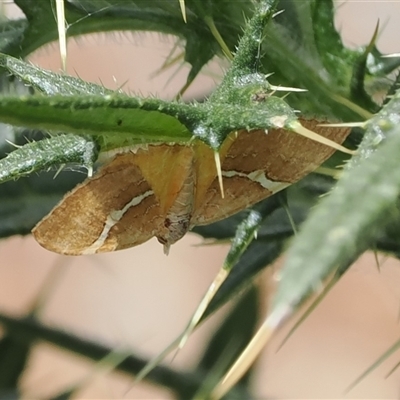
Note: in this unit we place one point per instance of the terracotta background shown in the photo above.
(139, 299)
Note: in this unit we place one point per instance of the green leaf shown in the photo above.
(116, 120)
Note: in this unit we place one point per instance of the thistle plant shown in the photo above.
(289, 71)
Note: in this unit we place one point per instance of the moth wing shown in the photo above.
(259, 164)
(113, 210)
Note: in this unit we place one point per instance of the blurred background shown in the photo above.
(139, 299)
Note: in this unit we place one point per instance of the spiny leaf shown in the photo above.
(338, 230)
(343, 224)
(49, 82)
(116, 120)
(37, 156)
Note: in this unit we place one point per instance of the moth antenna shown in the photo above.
(219, 173)
(62, 32)
(205, 301)
(301, 130)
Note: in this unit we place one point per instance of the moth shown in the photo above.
(164, 190)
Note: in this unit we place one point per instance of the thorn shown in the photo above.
(225, 49)
(377, 262)
(333, 173)
(89, 171)
(219, 173)
(286, 89)
(215, 285)
(251, 352)
(290, 217)
(352, 106)
(58, 171)
(183, 90)
(393, 55)
(345, 124)
(372, 42)
(183, 10)
(277, 13)
(244, 362)
(62, 33)
(17, 146)
(156, 360)
(301, 130)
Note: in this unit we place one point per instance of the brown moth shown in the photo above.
(166, 189)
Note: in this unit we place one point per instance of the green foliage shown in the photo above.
(349, 221)
(303, 50)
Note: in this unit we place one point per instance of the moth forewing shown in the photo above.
(131, 199)
(113, 210)
(260, 163)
